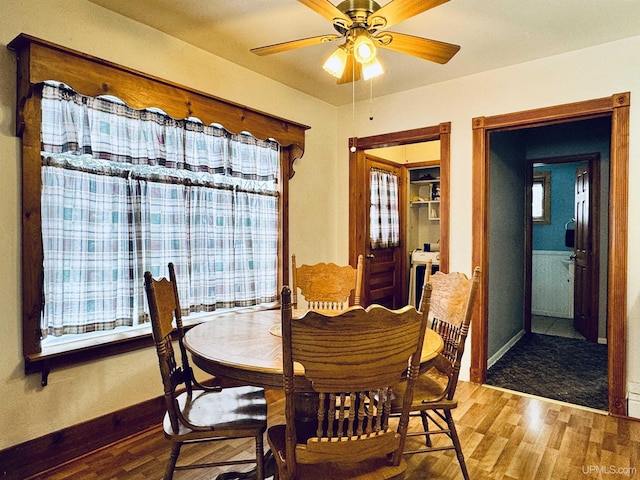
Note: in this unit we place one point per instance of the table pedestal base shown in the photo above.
(306, 415)
(270, 469)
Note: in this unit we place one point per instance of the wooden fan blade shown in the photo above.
(286, 46)
(352, 71)
(327, 9)
(432, 50)
(398, 10)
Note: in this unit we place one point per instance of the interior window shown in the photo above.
(541, 198)
(384, 222)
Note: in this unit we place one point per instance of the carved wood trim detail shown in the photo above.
(40, 61)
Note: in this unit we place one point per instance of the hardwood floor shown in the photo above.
(505, 436)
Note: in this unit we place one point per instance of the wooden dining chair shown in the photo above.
(199, 413)
(350, 360)
(450, 306)
(326, 286)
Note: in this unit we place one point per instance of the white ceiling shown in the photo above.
(491, 33)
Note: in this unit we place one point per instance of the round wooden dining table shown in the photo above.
(247, 347)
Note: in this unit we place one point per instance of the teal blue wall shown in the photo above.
(551, 236)
(575, 138)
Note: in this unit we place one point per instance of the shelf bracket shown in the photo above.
(46, 369)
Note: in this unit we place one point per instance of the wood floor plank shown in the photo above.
(525, 461)
(505, 436)
(546, 465)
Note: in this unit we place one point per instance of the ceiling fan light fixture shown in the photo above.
(362, 25)
(372, 69)
(364, 49)
(337, 62)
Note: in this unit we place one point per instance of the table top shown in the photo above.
(240, 346)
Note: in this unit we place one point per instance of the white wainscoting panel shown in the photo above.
(552, 284)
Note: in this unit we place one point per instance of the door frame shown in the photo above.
(617, 107)
(359, 206)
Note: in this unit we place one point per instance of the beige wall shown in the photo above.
(319, 190)
(581, 75)
(83, 392)
(412, 153)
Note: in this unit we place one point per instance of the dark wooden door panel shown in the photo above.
(383, 266)
(382, 282)
(585, 314)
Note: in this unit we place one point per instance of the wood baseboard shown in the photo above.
(40, 454)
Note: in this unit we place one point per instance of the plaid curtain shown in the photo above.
(384, 223)
(125, 191)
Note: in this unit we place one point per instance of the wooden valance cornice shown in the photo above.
(39, 61)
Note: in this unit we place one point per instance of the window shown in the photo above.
(39, 62)
(384, 222)
(541, 198)
(125, 191)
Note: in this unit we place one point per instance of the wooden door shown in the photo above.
(585, 296)
(359, 211)
(384, 267)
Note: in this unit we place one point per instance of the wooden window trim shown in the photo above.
(39, 61)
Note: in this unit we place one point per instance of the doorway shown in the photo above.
(569, 267)
(359, 203)
(534, 346)
(616, 108)
(565, 291)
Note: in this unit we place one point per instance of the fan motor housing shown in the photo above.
(358, 10)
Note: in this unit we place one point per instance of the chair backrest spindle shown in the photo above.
(451, 309)
(351, 359)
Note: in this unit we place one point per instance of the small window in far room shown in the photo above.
(541, 198)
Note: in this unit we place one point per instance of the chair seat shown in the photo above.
(377, 469)
(429, 387)
(234, 408)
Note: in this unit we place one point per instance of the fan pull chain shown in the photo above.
(371, 101)
(353, 97)
(353, 102)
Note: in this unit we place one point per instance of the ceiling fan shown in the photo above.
(362, 24)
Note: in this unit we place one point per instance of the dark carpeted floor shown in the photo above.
(565, 369)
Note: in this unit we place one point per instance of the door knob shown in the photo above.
(573, 257)
(370, 255)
